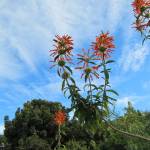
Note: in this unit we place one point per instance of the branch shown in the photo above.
(129, 134)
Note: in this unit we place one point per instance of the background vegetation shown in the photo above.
(33, 128)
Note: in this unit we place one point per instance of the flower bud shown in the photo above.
(143, 9)
(61, 52)
(102, 49)
(88, 70)
(61, 63)
(65, 75)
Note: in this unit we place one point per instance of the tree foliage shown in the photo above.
(33, 122)
(33, 128)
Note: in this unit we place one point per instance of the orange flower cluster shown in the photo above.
(63, 47)
(103, 45)
(141, 10)
(60, 117)
(87, 60)
(139, 4)
(141, 26)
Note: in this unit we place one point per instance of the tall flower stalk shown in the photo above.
(59, 120)
(92, 106)
(103, 47)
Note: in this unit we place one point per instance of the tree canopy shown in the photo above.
(33, 128)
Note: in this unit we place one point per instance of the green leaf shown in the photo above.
(92, 85)
(56, 57)
(58, 72)
(143, 41)
(88, 97)
(109, 61)
(105, 97)
(100, 65)
(95, 87)
(101, 87)
(113, 91)
(110, 103)
(68, 68)
(80, 58)
(86, 77)
(65, 93)
(99, 93)
(72, 80)
(92, 62)
(69, 96)
(63, 85)
(106, 74)
(85, 86)
(112, 98)
(105, 104)
(98, 103)
(109, 69)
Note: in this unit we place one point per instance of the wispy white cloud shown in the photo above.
(116, 12)
(136, 100)
(133, 57)
(146, 85)
(1, 129)
(28, 27)
(9, 66)
(123, 102)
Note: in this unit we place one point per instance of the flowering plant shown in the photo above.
(141, 10)
(92, 105)
(59, 119)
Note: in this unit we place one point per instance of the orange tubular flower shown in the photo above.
(103, 46)
(60, 117)
(63, 47)
(89, 67)
(139, 4)
(86, 58)
(89, 72)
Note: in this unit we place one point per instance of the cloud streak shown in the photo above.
(133, 57)
(1, 129)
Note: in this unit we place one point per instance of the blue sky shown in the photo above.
(27, 28)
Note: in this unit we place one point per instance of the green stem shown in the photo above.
(104, 67)
(105, 80)
(59, 137)
(90, 89)
(70, 90)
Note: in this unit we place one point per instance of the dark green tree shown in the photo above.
(135, 122)
(35, 118)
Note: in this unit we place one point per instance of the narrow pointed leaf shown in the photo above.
(114, 92)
